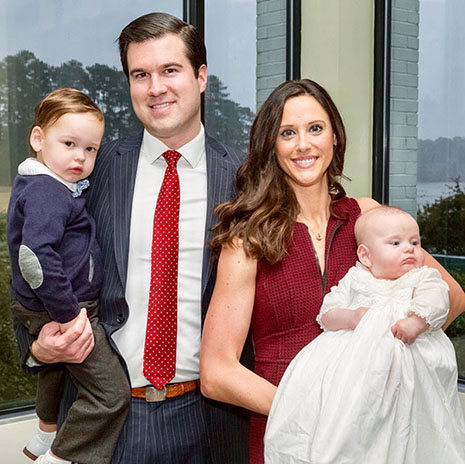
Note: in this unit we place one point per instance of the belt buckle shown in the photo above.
(153, 394)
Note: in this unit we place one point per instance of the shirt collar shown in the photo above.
(32, 167)
(153, 148)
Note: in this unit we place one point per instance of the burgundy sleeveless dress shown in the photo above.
(288, 297)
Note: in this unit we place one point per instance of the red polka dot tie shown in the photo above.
(160, 338)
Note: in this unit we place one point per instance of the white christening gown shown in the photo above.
(363, 396)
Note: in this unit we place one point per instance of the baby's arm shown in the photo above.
(409, 328)
(428, 309)
(334, 313)
(341, 318)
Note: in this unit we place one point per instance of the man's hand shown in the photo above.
(409, 328)
(73, 346)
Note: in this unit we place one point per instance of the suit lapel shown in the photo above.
(123, 170)
(220, 175)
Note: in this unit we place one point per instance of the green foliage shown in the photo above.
(442, 226)
(442, 223)
(225, 119)
(24, 80)
(16, 387)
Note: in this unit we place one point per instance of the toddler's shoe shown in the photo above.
(47, 459)
(39, 444)
(42, 460)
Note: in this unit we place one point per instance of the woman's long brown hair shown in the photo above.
(265, 211)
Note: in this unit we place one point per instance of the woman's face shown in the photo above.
(305, 141)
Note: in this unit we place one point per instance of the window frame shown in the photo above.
(381, 100)
(194, 13)
(381, 108)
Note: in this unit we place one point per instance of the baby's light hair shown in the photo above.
(60, 102)
(360, 228)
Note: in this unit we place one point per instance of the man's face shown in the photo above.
(164, 91)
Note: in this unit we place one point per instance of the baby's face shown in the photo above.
(69, 146)
(394, 245)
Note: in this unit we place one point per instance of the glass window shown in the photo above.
(246, 44)
(45, 45)
(427, 131)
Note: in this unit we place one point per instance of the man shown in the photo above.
(157, 282)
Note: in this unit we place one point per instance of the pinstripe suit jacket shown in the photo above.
(109, 201)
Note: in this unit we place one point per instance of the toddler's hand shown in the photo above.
(409, 328)
(66, 325)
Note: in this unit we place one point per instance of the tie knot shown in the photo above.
(171, 157)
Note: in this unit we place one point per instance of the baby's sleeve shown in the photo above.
(431, 298)
(338, 297)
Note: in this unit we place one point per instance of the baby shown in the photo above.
(380, 384)
(56, 273)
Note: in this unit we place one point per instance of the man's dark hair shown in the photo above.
(155, 26)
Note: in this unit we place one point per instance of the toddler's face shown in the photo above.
(69, 146)
(394, 248)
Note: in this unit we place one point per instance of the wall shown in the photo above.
(271, 46)
(337, 52)
(404, 105)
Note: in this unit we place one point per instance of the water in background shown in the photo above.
(428, 192)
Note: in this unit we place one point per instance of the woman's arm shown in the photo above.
(366, 203)
(456, 294)
(227, 324)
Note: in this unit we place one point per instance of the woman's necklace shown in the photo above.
(318, 236)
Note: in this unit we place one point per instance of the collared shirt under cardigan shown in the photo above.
(192, 170)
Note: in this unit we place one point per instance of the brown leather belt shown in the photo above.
(151, 394)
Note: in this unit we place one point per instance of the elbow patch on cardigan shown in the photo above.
(91, 268)
(30, 267)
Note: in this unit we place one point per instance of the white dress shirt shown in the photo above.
(192, 170)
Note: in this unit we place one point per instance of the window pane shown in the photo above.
(246, 44)
(45, 45)
(427, 154)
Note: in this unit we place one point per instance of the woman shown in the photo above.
(285, 241)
